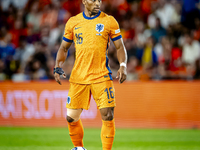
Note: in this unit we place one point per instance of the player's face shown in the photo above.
(93, 6)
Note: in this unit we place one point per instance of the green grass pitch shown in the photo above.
(12, 138)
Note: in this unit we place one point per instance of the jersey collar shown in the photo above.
(90, 18)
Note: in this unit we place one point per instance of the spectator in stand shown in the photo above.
(196, 31)
(127, 31)
(132, 67)
(36, 66)
(176, 68)
(140, 34)
(17, 31)
(190, 11)
(2, 70)
(49, 16)
(19, 4)
(26, 29)
(23, 53)
(167, 13)
(10, 16)
(191, 50)
(72, 6)
(197, 73)
(55, 34)
(131, 49)
(7, 51)
(146, 6)
(35, 71)
(63, 15)
(148, 59)
(44, 34)
(191, 53)
(33, 18)
(158, 31)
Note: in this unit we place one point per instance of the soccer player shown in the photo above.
(91, 31)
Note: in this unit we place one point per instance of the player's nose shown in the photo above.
(97, 3)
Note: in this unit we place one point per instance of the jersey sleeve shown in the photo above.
(115, 33)
(68, 35)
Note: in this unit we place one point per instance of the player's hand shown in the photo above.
(57, 75)
(121, 74)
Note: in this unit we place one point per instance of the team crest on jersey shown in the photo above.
(99, 28)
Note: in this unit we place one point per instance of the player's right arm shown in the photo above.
(62, 52)
(60, 59)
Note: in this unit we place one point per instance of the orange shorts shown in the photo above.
(80, 94)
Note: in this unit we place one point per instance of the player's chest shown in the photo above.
(91, 29)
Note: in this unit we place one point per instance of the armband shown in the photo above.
(123, 64)
(58, 71)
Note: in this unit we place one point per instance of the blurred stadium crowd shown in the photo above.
(162, 38)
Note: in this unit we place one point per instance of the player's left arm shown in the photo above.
(122, 58)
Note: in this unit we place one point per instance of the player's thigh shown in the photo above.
(78, 96)
(104, 94)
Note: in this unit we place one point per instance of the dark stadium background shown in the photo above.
(159, 103)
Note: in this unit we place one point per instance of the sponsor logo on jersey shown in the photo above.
(68, 100)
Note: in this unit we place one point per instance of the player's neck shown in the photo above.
(89, 14)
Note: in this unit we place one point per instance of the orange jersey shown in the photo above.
(91, 37)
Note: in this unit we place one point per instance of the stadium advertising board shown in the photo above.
(139, 105)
